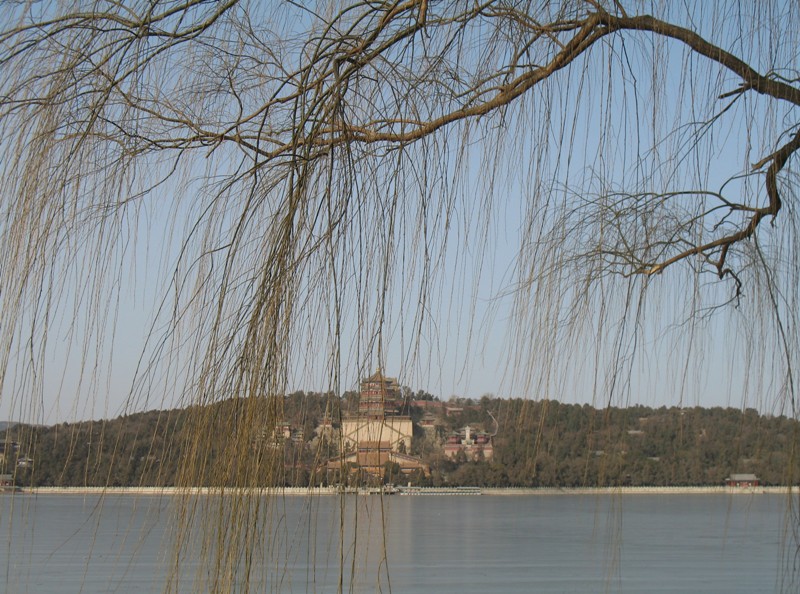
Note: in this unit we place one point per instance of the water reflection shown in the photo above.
(565, 543)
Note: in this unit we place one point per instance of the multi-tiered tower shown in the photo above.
(378, 421)
(380, 397)
(378, 437)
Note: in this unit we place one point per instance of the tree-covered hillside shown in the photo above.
(535, 444)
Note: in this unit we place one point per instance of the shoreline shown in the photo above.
(484, 491)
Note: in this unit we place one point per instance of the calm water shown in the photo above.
(563, 543)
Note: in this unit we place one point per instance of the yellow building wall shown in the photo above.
(395, 430)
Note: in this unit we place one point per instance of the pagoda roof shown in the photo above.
(379, 377)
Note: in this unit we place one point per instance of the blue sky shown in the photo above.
(490, 325)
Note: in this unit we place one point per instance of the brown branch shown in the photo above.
(752, 79)
(779, 159)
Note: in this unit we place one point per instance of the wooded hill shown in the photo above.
(537, 444)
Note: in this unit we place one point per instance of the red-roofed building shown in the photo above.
(476, 445)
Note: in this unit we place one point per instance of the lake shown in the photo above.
(469, 544)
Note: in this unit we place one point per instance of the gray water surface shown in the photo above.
(562, 543)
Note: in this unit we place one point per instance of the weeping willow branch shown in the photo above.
(313, 177)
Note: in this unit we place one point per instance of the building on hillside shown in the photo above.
(742, 480)
(372, 458)
(378, 419)
(283, 431)
(476, 445)
(396, 431)
(435, 406)
(325, 429)
(379, 397)
(278, 435)
(378, 434)
(428, 423)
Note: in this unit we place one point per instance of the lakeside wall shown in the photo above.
(709, 490)
(294, 491)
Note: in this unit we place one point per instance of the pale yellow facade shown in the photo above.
(391, 430)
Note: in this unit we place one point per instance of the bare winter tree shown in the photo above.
(315, 176)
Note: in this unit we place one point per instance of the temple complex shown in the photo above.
(378, 419)
(475, 444)
(378, 433)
